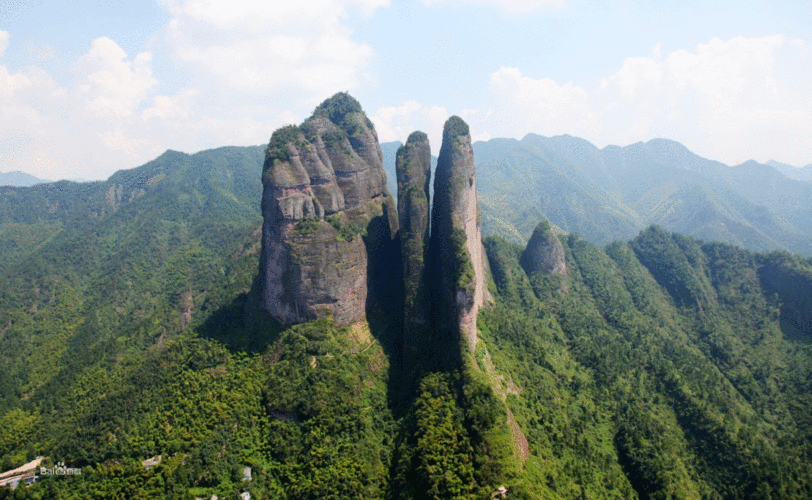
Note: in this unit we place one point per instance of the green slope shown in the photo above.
(661, 368)
(670, 367)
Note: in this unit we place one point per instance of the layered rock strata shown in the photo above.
(456, 233)
(327, 216)
(413, 167)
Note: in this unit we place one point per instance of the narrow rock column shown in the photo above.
(456, 233)
(413, 166)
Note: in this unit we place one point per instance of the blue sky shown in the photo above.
(89, 87)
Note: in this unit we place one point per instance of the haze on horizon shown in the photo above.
(88, 88)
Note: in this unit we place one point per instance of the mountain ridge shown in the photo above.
(625, 189)
(19, 179)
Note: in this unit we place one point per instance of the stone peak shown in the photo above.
(454, 127)
(337, 107)
(417, 136)
(541, 230)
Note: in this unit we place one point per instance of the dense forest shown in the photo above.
(662, 367)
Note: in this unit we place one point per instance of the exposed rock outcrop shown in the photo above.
(456, 234)
(413, 167)
(329, 222)
(544, 252)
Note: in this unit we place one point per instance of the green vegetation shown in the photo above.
(342, 109)
(541, 229)
(277, 149)
(454, 440)
(309, 131)
(307, 225)
(455, 127)
(462, 271)
(656, 373)
(347, 228)
(417, 136)
(665, 367)
(337, 107)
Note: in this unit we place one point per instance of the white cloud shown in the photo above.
(3, 41)
(395, 123)
(511, 6)
(114, 117)
(728, 100)
(267, 48)
(108, 84)
(236, 69)
(522, 104)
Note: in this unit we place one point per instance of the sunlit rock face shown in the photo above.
(329, 223)
(456, 233)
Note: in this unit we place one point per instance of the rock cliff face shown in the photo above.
(329, 221)
(456, 233)
(413, 167)
(544, 252)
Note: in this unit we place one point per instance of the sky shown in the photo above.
(89, 87)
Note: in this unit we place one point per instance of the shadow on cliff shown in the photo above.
(782, 277)
(240, 325)
(384, 307)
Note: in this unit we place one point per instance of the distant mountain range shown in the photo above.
(221, 183)
(613, 193)
(19, 179)
(801, 174)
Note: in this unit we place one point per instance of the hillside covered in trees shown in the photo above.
(131, 347)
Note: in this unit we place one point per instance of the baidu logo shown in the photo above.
(59, 470)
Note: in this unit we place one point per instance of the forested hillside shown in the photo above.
(675, 368)
(661, 367)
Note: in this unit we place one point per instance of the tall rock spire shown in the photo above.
(328, 217)
(456, 234)
(413, 167)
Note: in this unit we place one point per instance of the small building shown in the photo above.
(246, 473)
(150, 463)
(26, 473)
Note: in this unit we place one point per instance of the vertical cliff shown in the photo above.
(329, 223)
(413, 167)
(456, 234)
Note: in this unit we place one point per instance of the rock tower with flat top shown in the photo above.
(329, 223)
